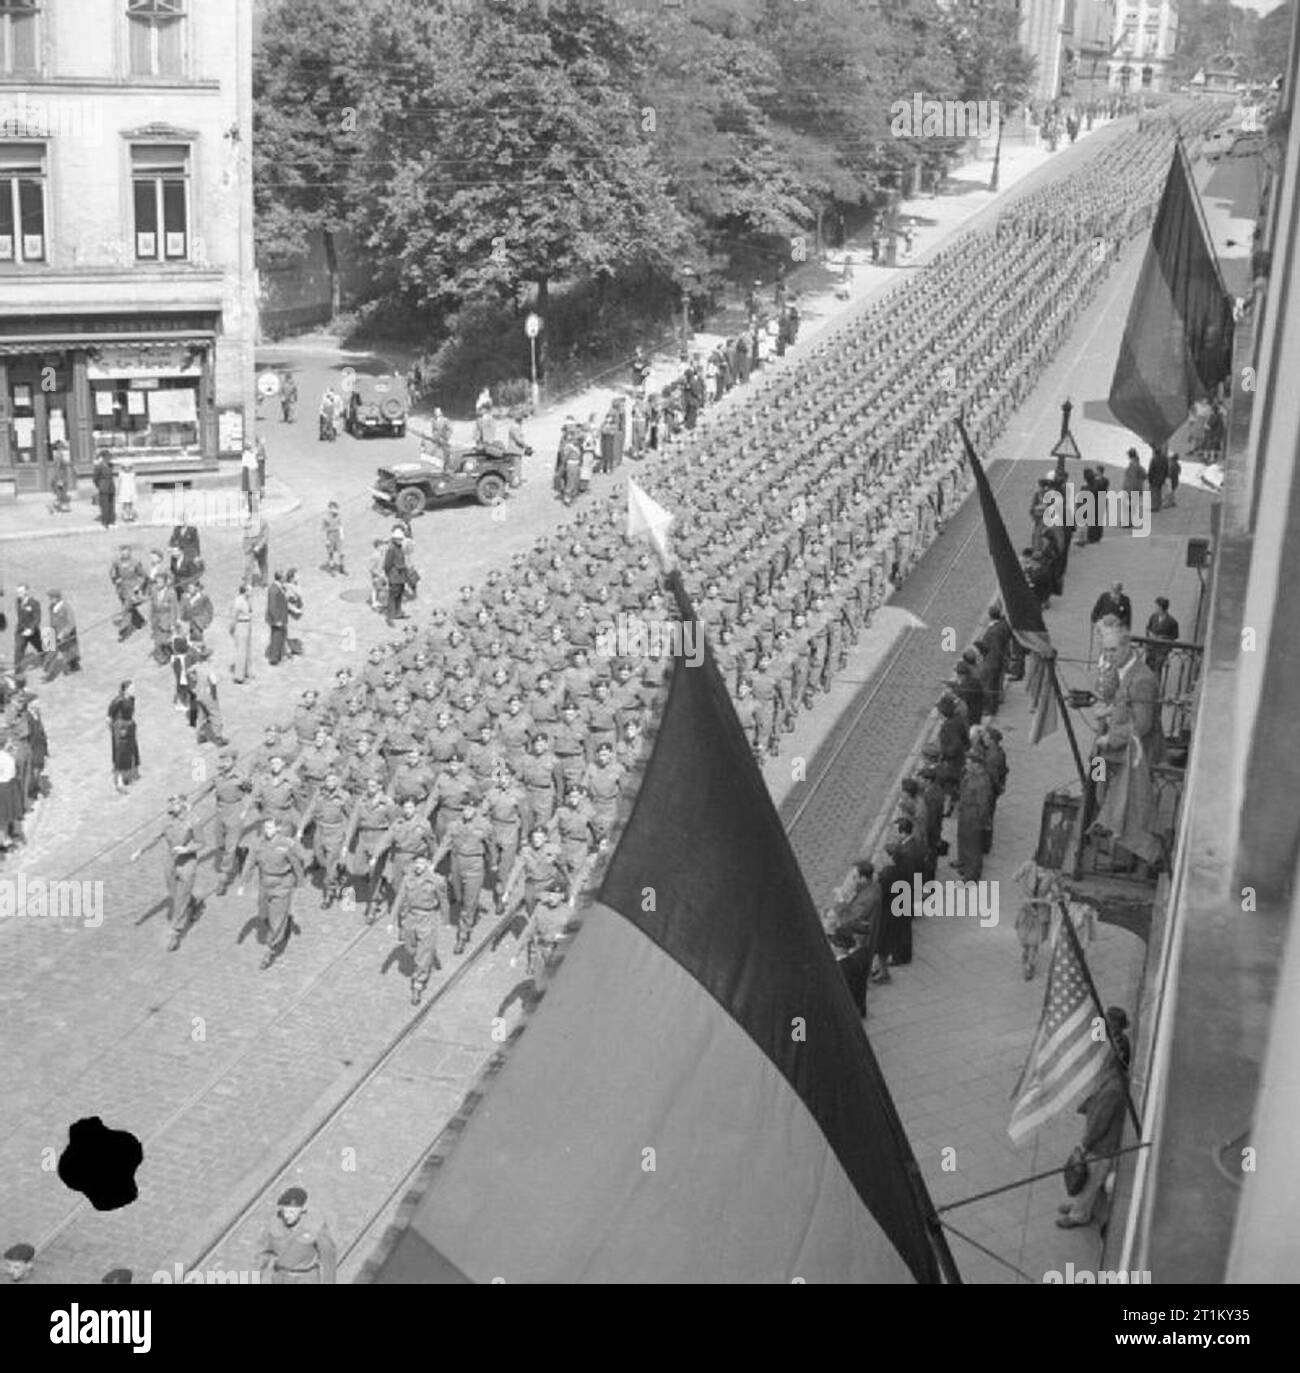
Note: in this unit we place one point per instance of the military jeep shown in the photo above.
(411, 487)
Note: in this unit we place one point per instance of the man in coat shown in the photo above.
(1113, 602)
(64, 654)
(27, 626)
(105, 482)
(294, 1251)
(1130, 741)
(1103, 1133)
(853, 928)
(277, 618)
(396, 575)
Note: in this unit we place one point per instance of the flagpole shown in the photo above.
(1073, 936)
(1069, 733)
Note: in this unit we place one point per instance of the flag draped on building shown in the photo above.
(1066, 1055)
(1019, 604)
(694, 1100)
(1177, 344)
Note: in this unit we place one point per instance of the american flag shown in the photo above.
(1066, 1055)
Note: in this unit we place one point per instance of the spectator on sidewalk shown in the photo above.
(61, 477)
(1103, 1130)
(124, 749)
(1113, 602)
(241, 633)
(105, 488)
(1158, 474)
(27, 627)
(64, 654)
(1160, 625)
(277, 618)
(853, 928)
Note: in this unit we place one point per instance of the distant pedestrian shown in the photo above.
(1158, 474)
(332, 525)
(396, 577)
(105, 488)
(248, 476)
(277, 618)
(61, 477)
(64, 654)
(293, 596)
(27, 627)
(1175, 474)
(241, 632)
(1113, 602)
(125, 750)
(126, 491)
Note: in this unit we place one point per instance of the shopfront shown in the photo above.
(139, 388)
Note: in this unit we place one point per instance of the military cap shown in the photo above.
(56, 595)
(292, 1196)
(118, 1276)
(20, 1253)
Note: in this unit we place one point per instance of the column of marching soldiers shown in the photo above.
(496, 743)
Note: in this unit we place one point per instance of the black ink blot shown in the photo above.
(100, 1164)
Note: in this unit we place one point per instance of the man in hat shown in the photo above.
(64, 654)
(395, 575)
(419, 907)
(293, 1250)
(118, 1277)
(20, 1262)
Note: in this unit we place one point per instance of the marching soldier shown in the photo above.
(504, 804)
(452, 789)
(230, 790)
(412, 780)
(293, 1251)
(277, 860)
(371, 818)
(275, 794)
(328, 815)
(540, 883)
(604, 781)
(469, 841)
(408, 837)
(180, 865)
(541, 779)
(419, 907)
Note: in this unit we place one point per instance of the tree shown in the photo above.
(309, 78)
(515, 156)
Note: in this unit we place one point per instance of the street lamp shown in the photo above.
(688, 275)
(533, 327)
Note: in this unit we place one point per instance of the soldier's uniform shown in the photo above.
(180, 867)
(316, 762)
(406, 838)
(605, 786)
(276, 798)
(575, 826)
(470, 842)
(294, 1254)
(363, 765)
(505, 810)
(230, 795)
(540, 776)
(450, 792)
(421, 906)
(569, 745)
(442, 741)
(413, 781)
(278, 864)
(371, 818)
(329, 813)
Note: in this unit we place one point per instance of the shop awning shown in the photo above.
(175, 341)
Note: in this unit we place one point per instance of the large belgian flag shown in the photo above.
(695, 1099)
(1177, 344)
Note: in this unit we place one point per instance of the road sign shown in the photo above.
(268, 383)
(533, 325)
(1066, 447)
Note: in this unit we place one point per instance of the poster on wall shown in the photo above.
(135, 402)
(22, 397)
(103, 402)
(24, 431)
(58, 427)
(230, 431)
(173, 406)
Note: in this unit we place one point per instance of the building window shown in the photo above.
(22, 202)
(157, 36)
(146, 413)
(18, 36)
(160, 182)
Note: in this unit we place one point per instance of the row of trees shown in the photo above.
(492, 148)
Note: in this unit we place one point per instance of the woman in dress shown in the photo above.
(126, 491)
(121, 725)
